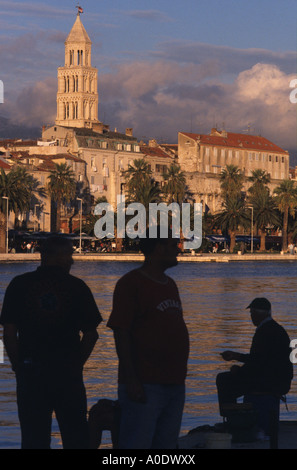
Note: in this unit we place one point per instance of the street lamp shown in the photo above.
(252, 228)
(7, 199)
(80, 223)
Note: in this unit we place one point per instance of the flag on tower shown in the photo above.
(80, 10)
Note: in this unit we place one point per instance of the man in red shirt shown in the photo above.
(152, 345)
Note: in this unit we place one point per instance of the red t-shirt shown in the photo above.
(152, 312)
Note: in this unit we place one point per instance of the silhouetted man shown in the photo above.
(152, 345)
(267, 368)
(50, 321)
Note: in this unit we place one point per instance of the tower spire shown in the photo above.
(77, 97)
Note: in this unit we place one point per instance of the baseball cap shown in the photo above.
(260, 303)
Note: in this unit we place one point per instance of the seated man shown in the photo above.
(266, 369)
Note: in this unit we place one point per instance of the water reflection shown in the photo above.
(214, 296)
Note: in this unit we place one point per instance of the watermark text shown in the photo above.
(1, 352)
(293, 355)
(293, 94)
(1, 92)
(133, 219)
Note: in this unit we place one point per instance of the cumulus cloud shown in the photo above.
(34, 105)
(180, 87)
(163, 98)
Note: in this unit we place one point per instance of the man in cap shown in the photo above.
(267, 368)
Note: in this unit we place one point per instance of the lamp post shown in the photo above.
(252, 228)
(80, 223)
(7, 199)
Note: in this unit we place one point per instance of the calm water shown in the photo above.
(214, 297)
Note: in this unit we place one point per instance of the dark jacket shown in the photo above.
(268, 366)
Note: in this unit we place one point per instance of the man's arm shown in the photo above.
(10, 337)
(234, 356)
(134, 387)
(87, 344)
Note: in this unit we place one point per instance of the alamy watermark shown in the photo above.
(1, 92)
(182, 218)
(293, 94)
(1, 352)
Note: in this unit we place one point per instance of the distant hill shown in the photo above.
(8, 130)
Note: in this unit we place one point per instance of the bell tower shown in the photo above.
(77, 97)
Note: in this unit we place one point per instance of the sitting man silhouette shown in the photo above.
(267, 369)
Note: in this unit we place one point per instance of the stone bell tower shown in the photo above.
(77, 97)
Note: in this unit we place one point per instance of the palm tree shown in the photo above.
(147, 193)
(231, 180)
(233, 215)
(259, 179)
(136, 175)
(175, 188)
(61, 187)
(265, 212)
(27, 183)
(286, 201)
(18, 199)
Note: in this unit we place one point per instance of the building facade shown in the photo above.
(203, 157)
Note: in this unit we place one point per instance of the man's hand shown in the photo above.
(230, 356)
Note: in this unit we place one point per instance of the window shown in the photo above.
(283, 159)
(276, 158)
(270, 158)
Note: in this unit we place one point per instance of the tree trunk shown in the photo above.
(232, 241)
(285, 230)
(2, 233)
(58, 217)
(262, 238)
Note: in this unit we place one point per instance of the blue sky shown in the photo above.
(164, 66)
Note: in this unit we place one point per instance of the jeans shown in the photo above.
(40, 393)
(154, 424)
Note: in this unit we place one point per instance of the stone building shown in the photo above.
(202, 158)
(78, 131)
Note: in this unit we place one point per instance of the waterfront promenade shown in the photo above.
(135, 257)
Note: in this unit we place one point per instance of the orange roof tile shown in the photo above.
(154, 152)
(241, 141)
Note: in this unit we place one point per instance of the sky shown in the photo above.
(164, 66)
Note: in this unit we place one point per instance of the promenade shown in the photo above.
(135, 257)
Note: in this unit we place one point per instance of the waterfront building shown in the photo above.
(203, 156)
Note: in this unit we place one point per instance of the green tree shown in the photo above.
(18, 199)
(137, 174)
(231, 181)
(61, 187)
(286, 201)
(175, 189)
(233, 215)
(29, 185)
(259, 179)
(265, 212)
